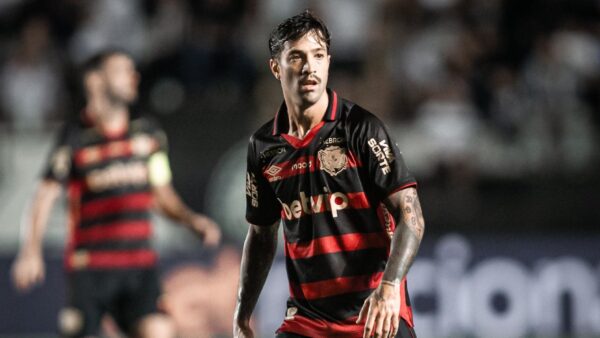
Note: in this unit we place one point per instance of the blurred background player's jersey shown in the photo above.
(110, 197)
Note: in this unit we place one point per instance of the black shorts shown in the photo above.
(127, 295)
(404, 331)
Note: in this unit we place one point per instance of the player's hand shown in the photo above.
(381, 312)
(28, 270)
(242, 330)
(207, 229)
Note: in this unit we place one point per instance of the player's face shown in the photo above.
(121, 79)
(303, 69)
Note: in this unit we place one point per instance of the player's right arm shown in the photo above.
(259, 250)
(263, 212)
(28, 268)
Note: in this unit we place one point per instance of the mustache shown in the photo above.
(311, 78)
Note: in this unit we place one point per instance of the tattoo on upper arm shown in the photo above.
(413, 215)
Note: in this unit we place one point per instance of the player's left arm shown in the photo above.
(405, 207)
(381, 309)
(168, 201)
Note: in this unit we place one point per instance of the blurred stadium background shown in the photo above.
(495, 104)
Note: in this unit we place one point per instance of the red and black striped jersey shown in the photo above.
(109, 193)
(328, 189)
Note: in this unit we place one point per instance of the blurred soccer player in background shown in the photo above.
(329, 171)
(115, 168)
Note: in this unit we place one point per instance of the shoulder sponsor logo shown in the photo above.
(333, 160)
(252, 189)
(61, 162)
(383, 153)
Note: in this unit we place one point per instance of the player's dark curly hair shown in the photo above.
(97, 60)
(294, 28)
(93, 63)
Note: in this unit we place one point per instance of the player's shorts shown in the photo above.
(404, 331)
(127, 295)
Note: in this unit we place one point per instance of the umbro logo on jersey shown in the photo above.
(273, 170)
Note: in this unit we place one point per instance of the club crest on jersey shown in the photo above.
(333, 160)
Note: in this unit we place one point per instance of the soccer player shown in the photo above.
(116, 169)
(329, 171)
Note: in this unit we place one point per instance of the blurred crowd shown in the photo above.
(500, 88)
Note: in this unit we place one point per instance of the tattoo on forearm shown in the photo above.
(408, 235)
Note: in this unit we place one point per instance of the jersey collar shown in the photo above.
(281, 122)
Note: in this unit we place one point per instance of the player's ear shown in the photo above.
(274, 66)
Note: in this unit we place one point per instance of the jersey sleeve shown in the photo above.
(380, 156)
(59, 163)
(159, 167)
(262, 207)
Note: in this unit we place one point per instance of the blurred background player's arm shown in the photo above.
(169, 202)
(28, 268)
(259, 250)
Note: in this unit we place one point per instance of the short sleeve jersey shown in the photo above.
(109, 193)
(328, 189)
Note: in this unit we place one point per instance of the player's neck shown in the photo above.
(303, 119)
(113, 121)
